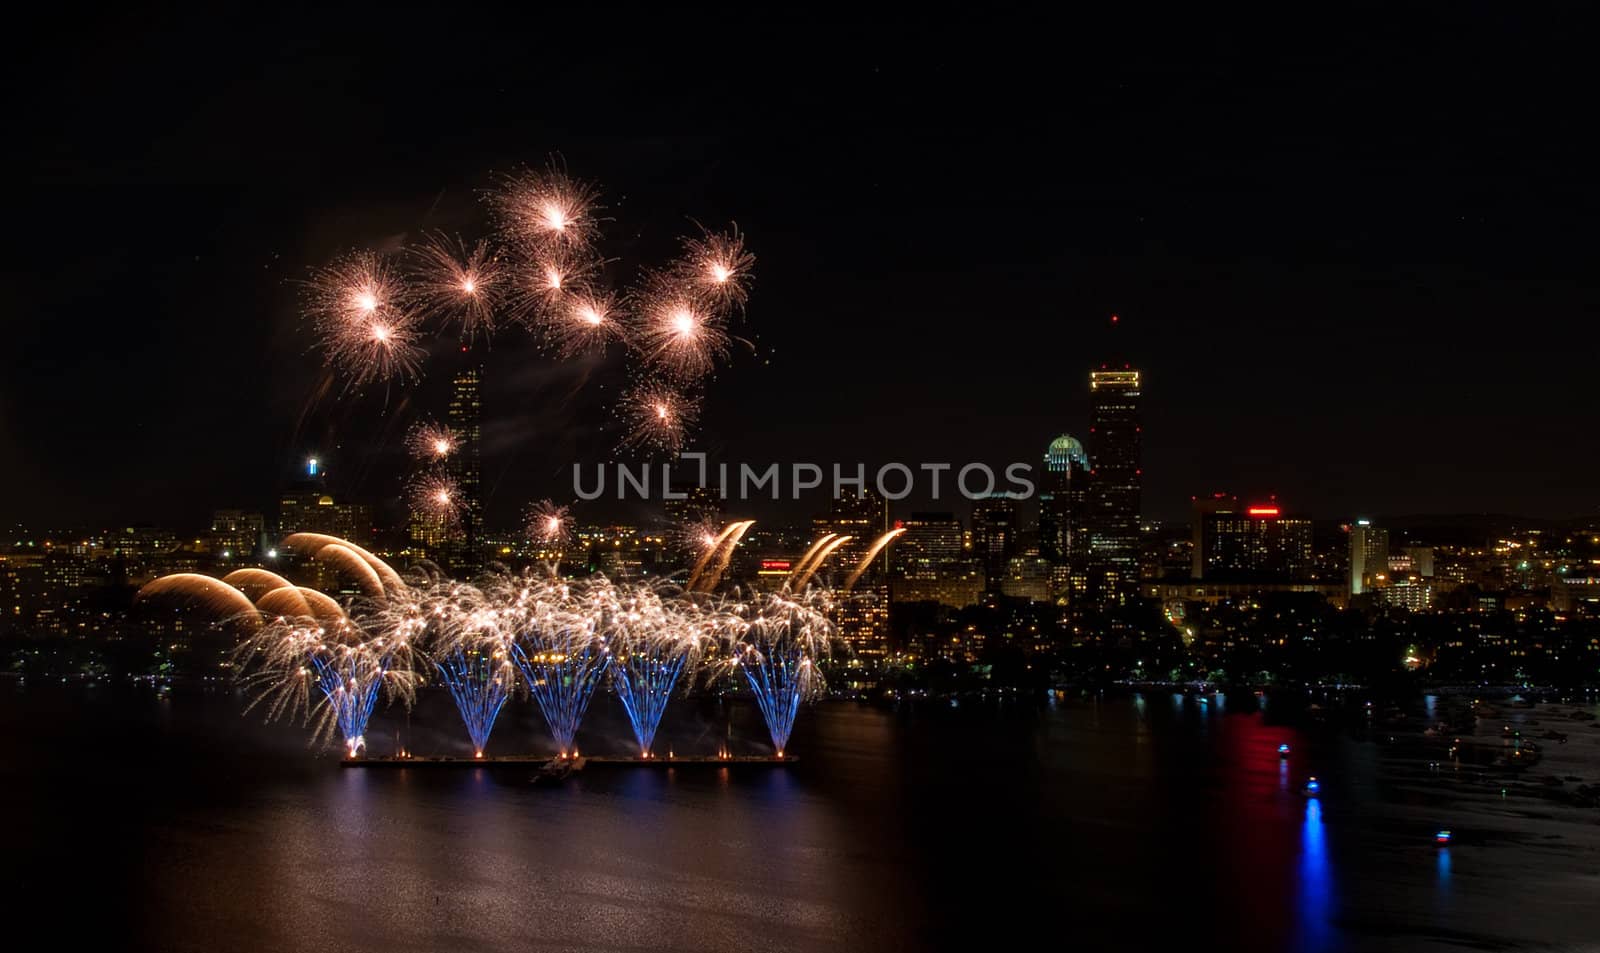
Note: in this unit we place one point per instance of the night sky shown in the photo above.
(1354, 257)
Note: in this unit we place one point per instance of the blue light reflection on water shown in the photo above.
(1315, 900)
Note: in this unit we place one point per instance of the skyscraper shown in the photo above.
(1063, 507)
(1114, 483)
(465, 466)
(930, 563)
(994, 536)
(1369, 555)
(862, 615)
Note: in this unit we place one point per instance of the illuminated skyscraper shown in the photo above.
(994, 536)
(465, 466)
(930, 562)
(1369, 555)
(862, 615)
(1063, 508)
(1114, 484)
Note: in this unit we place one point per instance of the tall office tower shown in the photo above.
(1369, 555)
(929, 562)
(466, 467)
(994, 536)
(1114, 481)
(1063, 507)
(862, 615)
(930, 541)
(863, 516)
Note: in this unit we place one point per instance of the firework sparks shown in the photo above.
(586, 322)
(459, 283)
(549, 524)
(548, 208)
(778, 643)
(365, 319)
(332, 675)
(651, 643)
(432, 442)
(658, 416)
(309, 655)
(718, 269)
(561, 654)
(435, 496)
(680, 336)
(548, 285)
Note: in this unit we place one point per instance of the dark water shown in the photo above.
(141, 822)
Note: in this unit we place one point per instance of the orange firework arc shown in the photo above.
(285, 603)
(822, 557)
(872, 553)
(715, 576)
(323, 608)
(256, 583)
(810, 554)
(711, 549)
(208, 591)
(309, 543)
(348, 561)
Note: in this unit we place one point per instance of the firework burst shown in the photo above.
(549, 525)
(658, 416)
(458, 283)
(330, 674)
(432, 442)
(697, 538)
(585, 322)
(559, 648)
(652, 642)
(365, 319)
(717, 269)
(537, 210)
(547, 285)
(677, 334)
(435, 496)
(778, 642)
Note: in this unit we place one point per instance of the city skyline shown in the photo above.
(1357, 329)
(761, 479)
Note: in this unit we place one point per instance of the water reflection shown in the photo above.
(1316, 882)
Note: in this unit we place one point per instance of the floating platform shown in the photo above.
(545, 763)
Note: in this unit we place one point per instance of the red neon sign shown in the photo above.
(1262, 511)
(778, 564)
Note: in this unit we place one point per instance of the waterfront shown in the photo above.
(171, 822)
